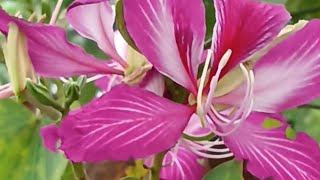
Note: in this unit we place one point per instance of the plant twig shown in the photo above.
(310, 106)
(157, 165)
(77, 170)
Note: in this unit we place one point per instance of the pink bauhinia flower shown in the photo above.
(130, 122)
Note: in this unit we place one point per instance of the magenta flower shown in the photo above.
(53, 56)
(130, 122)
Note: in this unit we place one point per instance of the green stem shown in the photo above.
(310, 106)
(198, 138)
(157, 165)
(78, 172)
(49, 111)
(67, 105)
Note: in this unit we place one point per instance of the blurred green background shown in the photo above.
(21, 153)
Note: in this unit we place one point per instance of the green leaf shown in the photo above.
(230, 170)
(210, 20)
(290, 133)
(21, 153)
(68, 173)
(121, 24)
(305, 120)
(87, 93)
(270, 123)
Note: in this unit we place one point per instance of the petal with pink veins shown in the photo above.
(244, 26)
(124, 123)
(50, 52)
(170, 34)
(182, 165)
(271, 154)
(288, 75)
(94, 20)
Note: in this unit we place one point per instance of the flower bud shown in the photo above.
(40, 93)
(17, 59)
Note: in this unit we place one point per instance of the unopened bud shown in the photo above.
(72, 91)
(41, 94)
(17, 58)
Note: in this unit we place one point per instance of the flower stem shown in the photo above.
(310, 106)
(157, 165)
(78, 172)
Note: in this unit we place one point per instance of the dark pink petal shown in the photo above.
(170, 34)
(244, 26)
(271, 154)
(50, 137)
(126, 122)
(288, 75)
(185, 165)
(94, 20)
(51, 54)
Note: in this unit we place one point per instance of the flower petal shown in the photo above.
(194, 127)
(51, 54)
(288, 75)
(271, 154)
(126, 122)
(183, 165)
(153, 82)
(50, 137)
(94, 20)
(107, 82)
(170, 34)
(244, 26)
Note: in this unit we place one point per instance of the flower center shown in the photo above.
(227, 121)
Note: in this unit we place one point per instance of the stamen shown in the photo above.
(64, 80)
(214, 81)
(208, 148)
(211, 156)
(111, 82)
(31, 17)
(6, 91)
(243, 105)
(5, 86)
(248, 90)
(174, 159)
(201, 87)
(93, 78)
(55, 12)
(244, 110)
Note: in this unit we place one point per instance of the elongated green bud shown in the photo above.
(72, 91)
(17, 59)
